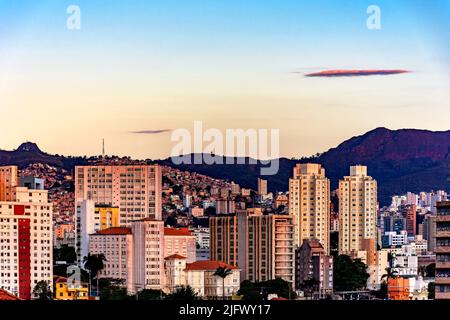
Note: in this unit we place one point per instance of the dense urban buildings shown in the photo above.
(25, 236)
(309, 204)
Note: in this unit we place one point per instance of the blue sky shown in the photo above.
(150, 65)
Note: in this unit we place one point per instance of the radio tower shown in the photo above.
(103, 147)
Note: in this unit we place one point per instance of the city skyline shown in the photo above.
(161, 66)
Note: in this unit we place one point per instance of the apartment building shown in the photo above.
(134, 189)
(357, 209)
(25, 237)
(261, 246)
(148, 256)
(180, 241)
(89, 219)
(116, 244)
(442, 250)
(309, 204)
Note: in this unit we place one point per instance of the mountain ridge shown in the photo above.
(401, 160)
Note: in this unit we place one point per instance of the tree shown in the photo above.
(183, 293)
(149, 294)
(390, 274)
(256, 291)
(383, 292)
(94, 264)
(223, 272)
(65, 253)
(431, 290)
(430, 270)
(309, 286)
(349, 274)
(42, 291)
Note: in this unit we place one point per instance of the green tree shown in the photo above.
(390, 274)
(223, 272)
(149, 294)
(256, 291)
(94, 264)
(430, 270)
(310, 286)
(383, 292)
(184, 293)
(349, 275)
(65, 253)
(42, 291)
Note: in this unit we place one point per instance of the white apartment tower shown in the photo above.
(309, 204)
(357, 210)
(135, 189)
(25, 237)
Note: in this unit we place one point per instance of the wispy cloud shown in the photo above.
(151, 131)
(355, 73)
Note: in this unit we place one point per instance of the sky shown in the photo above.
(136, 70)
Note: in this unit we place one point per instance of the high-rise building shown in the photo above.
(442, 250)
(180, 241)
(134, 189)
(261, 246)
(225, 206)
(116, 244)
(262, 187)
(311, 262)
(25, 238)
(411, 220)
(148, 256)
(8, 180)
(429, 231)
(89, 219)
(309, 204)
(357, 210)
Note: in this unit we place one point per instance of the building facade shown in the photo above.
(442, 250)
(134, 189)
(309, 204)
(357, 210)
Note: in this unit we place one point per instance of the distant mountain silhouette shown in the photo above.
(401, 160)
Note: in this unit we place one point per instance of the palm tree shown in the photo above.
(223, 272)
(94, 264)
(390, 274)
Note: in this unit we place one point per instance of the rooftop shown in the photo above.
(208, 265)
(114, 231)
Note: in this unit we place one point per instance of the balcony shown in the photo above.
(442, 280)
(442, 218)
(442, 295)
(443, 265)
(443, 234)
(442, 249)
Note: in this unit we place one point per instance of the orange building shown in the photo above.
(398, 289)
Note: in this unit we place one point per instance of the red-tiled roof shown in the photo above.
(177, 232)
(208, 265)
(279, 299)
(175, 256)
(5, 295)
(58, 279)
(114, 231)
